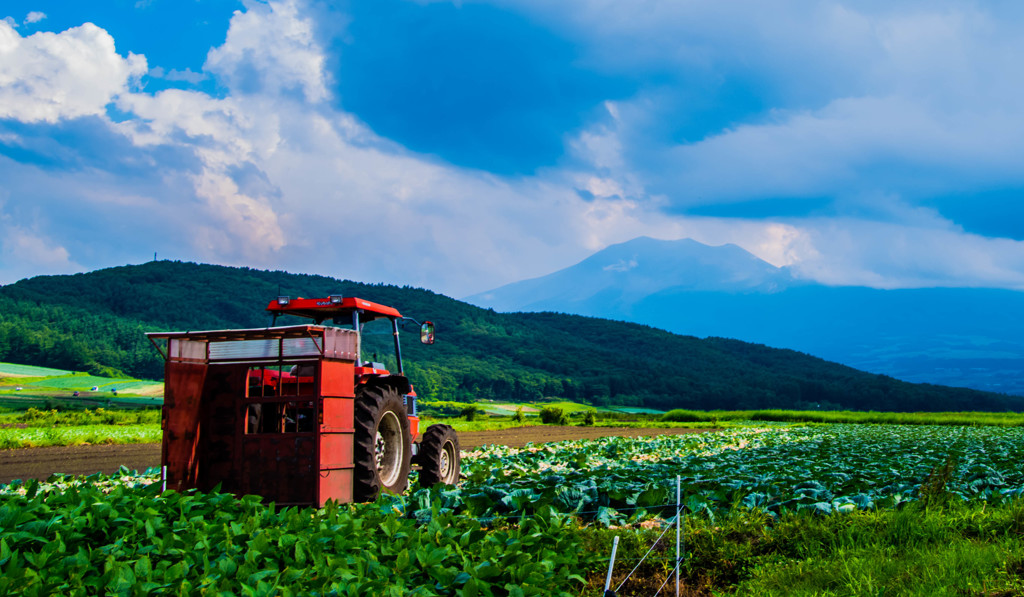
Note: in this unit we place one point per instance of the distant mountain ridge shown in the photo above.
(626, 273)
(96, 322)
(968, 337)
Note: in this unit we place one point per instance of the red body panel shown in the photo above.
(180, 422)
(337, 378)
(337, 431)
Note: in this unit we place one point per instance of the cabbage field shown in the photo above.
(538, 520)
(821, 468)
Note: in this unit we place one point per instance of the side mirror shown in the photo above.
(427, 332)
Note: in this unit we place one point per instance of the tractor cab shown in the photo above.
(356, 314)
(372, 322)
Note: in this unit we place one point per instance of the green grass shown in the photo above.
(36, 428)
(975, 549)
(80, 382)
(11, 382)
(40, 382)
(481, 424)
(496, 410)
(567, 407)
(30, 371)
(35, 437)
(1008, 419)
(22, 401)
(960, 549)
(636, 411)
(76, 418)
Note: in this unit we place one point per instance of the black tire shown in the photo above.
(439, 457)
(383, 443)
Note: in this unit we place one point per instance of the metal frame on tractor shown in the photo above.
(293, 413)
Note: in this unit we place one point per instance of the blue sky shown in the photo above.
(464, 145)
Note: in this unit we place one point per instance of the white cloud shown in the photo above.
(269, 53)
(410, 219)
(25, 251)
(860, 145)
(34, 17)
(24, 247)
(54, 76)
(886, 255)
(328, 186)
(911, 98)
(233, 225)
(247, 227)
(282, 178)
(271, 49)
(859, 252)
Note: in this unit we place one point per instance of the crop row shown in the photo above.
(821, 468)
(125, 537)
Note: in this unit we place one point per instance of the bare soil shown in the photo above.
(40, 463)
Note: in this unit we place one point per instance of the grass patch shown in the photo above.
(567, 407)
(30, 371)
(35, 437)
(971, 548)
(482, 424)
(75, 418)
(960, 549)
(83, 382)
(634, 410)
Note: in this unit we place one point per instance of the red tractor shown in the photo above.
(298, 414)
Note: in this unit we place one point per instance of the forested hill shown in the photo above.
(95, 322)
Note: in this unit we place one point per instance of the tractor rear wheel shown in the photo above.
(438, 457)
(383, 443)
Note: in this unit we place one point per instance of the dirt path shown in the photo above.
(40, 463)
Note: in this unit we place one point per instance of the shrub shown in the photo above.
(589, 419)
(470, 411)
(519, 417)
(552, 415)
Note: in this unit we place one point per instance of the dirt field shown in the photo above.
(40, 463)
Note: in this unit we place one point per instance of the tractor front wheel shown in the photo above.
(438, 457)
(383, 443)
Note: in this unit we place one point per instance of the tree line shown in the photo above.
(96, 322)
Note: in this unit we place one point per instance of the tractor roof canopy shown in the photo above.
(322, 309)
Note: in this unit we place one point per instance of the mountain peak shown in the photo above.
(625, 272)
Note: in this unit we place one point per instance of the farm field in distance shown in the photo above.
(772, 509)
(24, 386)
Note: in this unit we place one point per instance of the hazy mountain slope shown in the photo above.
(96, 321)
(956, 336)
(959, 336)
